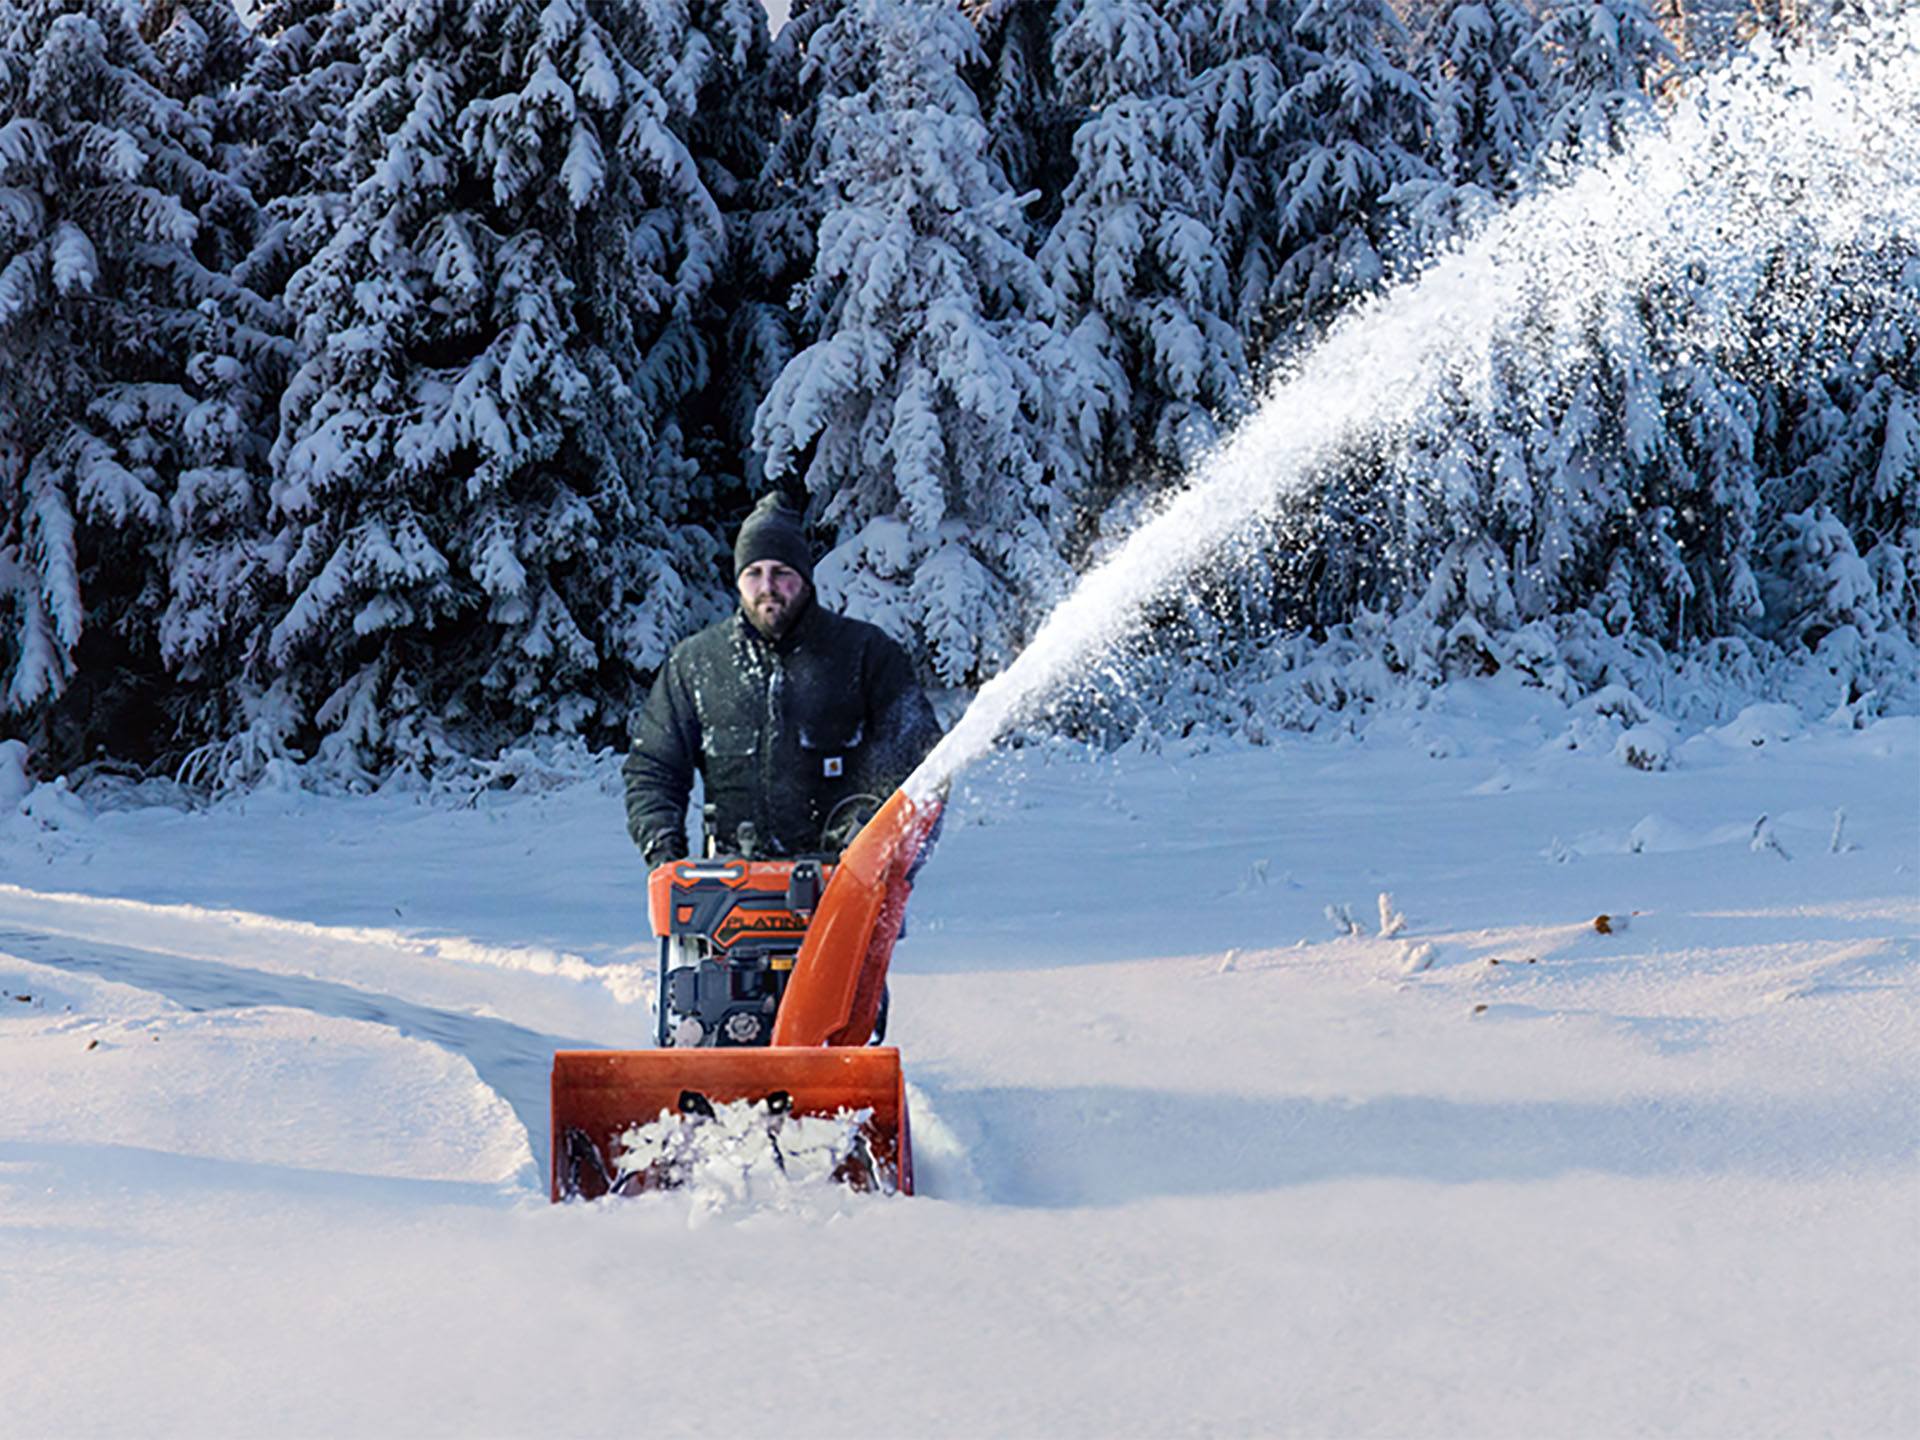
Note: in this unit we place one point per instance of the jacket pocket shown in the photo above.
(729, 742)
(832, 738)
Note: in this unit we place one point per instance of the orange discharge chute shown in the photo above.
(819, 1059)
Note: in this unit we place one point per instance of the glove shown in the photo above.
(663, 847)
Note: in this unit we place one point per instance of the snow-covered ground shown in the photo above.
(273, 1109)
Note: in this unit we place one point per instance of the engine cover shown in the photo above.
(729, 930)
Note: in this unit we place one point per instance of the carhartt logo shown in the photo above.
(832, 767)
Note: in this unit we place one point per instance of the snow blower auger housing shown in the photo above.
(772, 980)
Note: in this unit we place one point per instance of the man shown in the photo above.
(788, 711)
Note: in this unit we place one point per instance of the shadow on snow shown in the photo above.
(1110, 1145)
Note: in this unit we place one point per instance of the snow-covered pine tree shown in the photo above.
(116, 224)
(1453, 513)
(1607, 470)
(1645, 495)
(736, 125)
(1358, 118)
(1354, 135)
(710, 60)
(1134, 253)
(1214, 296)
(1436, 540)
(1244, 60)
(288, 111)
(925, 418)
(1610, 471)
(1602, 59)
(235, 362)
(1840, 526)
(1029, 125)
(488, 512)
(294, 99)
(1645, 485)
(775, 229)
(1483, 80)
(202, 45)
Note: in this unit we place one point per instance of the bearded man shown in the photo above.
(799, 721)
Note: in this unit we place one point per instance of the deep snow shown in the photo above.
(272, 1107)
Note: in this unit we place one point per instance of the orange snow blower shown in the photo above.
(772, 981)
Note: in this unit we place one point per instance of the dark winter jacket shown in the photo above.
(781, 730)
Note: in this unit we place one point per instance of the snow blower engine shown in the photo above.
(730, 929)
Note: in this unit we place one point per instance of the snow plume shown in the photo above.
(1820, 148)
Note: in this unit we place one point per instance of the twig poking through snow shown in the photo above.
(1392, 922)
(1840, 845)
(1764, 839)
(1343, 921)
(1418, 957)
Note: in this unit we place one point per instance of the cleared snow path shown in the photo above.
(509, 1059)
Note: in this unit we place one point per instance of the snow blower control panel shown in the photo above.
(729, 931)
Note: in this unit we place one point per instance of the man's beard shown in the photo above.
(774, 617)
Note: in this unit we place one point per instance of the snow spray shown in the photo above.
(1821, 142)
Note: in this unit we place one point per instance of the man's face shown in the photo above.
(771, 593)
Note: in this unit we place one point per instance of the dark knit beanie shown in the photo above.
(773, 532)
